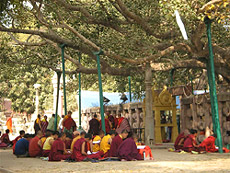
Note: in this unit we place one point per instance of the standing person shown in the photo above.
(60, 124)
(51, 123)
(123, 124)
(68, 123)
(22, 146)
(34, 148)
(9, 123)
(116, 142)
(107, 125)
(94, 125)
(106, 142)
(80, 149)
(58, 151)
(128, 149)
(37, 124)
(44, 124)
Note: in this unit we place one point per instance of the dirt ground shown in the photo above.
(164, 162)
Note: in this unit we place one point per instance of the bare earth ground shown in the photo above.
(164, 162)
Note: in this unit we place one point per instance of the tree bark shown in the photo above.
(149, 119)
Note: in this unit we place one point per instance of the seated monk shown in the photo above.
(80, 150)
(22, 134)
(209, 144)
(128, 149)
(22, 146)
(58, 151)
(123, 124)
(48, 143)
(5, 137)
(190, 142)
(68, 140)
(34, 148)
(68, 123)
(179, 143)
(82, 135)
(116, 142)
(106, 142)
(97, 140)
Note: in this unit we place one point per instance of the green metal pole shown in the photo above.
(212, 87)
(79, 82)
(100, 89)
(58, 87)
(63, 73)
(130, 93)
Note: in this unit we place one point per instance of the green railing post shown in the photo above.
(79, 82)
(212, 86)
(100, 89)
(58, 87)
(130, 93)
(63, 73)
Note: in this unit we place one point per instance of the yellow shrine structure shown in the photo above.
(164, 112)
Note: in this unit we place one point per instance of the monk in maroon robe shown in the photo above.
(34, 148)
(80, 150)
(58, 151)
(5, 137)
(179, 143)
(190, 142)
(116, 142)
(94, 125)
(209, 144)
(123, 124)
(128, 149)
(107, 125)
(68, 123)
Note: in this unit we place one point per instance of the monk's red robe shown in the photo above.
(147, 151)
(68, 144)
(44, 125)
(115, 123)
(128, 150)
(119, 121)
(57, 151)
(181, 137)
(107, 126)
(123, 124)
(34, 149)
(78, 156)
(189, 144)
(5, 138)
(69, 123)
(116, 142)
(209, 144)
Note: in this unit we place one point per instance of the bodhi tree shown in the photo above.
(137, 37)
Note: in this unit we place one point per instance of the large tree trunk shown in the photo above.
(149, 119)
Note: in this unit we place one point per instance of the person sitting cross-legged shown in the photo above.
(97, 140)
(127, 151)
(48, 143)
(80, 149)
(22, 146)
(116, 142)
(58, 151)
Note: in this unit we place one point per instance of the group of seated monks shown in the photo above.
(79, 146)
(187, 142)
